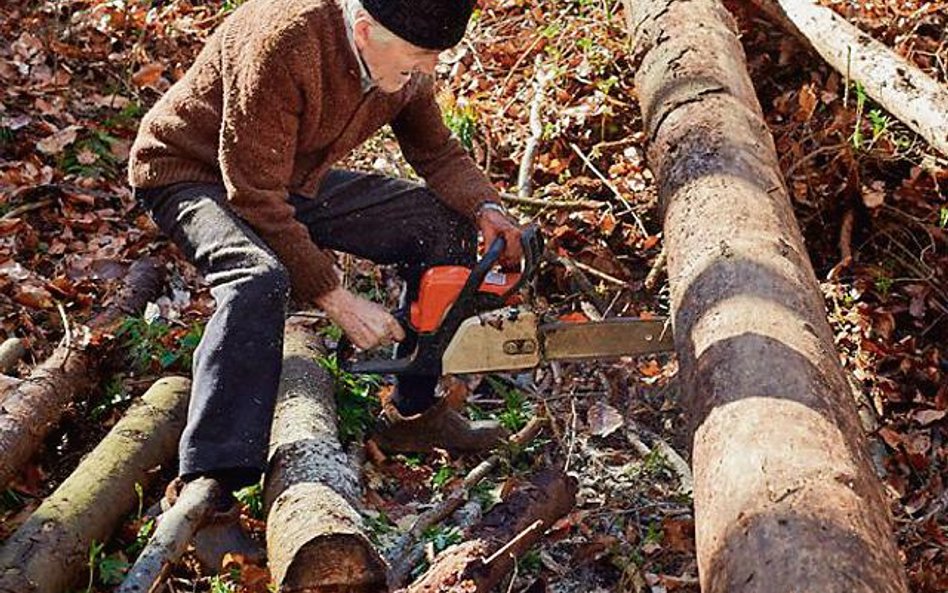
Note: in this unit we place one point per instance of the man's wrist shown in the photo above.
(488, 205)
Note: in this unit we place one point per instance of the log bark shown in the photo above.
(49, 552)
(785, 495)
(176, 527)
(30, 411)
(507, 531)
(315, 536)
(914, 98)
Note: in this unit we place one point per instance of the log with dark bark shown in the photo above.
(506, 532)
(785, 495)
(30, 410)
(49, 552)
(315, 536)
(402, 556)
(914, 98)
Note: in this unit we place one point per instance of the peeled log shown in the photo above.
(29, 411)
(507, 531)
(50, 552)
(786, 499)
(315, 537)
(914, 98)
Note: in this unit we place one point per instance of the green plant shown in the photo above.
(10, 499)
(229, 6)
(531, 562)
(95, 555)
(943, 217)
(114, 395)
(113, 568)
(356, 405)
(462, 121)
(91, 156)
(442, 476)
(141, 538)
(222, 584)
(442, 537)
(515, 413)
(149, 343)
(378, 524)
(140, 492)
(252, 498)
(856, 138)
(128, 117)
(883, 283)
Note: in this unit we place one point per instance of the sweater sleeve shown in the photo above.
(437, 156)
(263, 98)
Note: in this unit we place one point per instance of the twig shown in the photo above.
(582, 282)
(599, 274)
(651, 280)
(67, 331)
(572, 434)
(15, 212)
(506, 548)
(399, 555)
(516, 65)
(558, 204)
(611, 186)
(525, 175)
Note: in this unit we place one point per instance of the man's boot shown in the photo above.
(438, 427)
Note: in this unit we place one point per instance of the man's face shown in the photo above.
(391, 60)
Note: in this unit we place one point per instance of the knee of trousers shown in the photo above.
(261, 281)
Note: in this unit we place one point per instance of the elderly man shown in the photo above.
(234, 164)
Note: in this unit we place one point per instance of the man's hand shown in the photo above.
(492, 224)
(366, 323)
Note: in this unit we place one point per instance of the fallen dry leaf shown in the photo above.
(603, 419)
(57, 142)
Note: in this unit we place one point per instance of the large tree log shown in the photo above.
(916, 99)
(49, 552)
(507, 531)
(315, 536)
(29, 412)
(785, 495)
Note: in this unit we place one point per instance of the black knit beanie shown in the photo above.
(431, 24)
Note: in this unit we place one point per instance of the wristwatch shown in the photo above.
(490, 205)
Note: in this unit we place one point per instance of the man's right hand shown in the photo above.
(366, 323)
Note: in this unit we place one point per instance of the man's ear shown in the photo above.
(361, 30)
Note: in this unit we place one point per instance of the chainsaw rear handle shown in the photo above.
(430, 346)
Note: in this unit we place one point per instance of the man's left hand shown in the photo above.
(492, 224)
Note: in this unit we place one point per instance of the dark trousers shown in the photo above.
(237, 365)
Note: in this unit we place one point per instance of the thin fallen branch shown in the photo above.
(50, 552)
(31, 409)
(612, 187)
(556, 204)
(400, 558)
(23, 209)
(651, 280)
(600, 274)
(176, 527)
(914, 98)
(525, 175)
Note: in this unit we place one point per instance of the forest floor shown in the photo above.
(870, 197)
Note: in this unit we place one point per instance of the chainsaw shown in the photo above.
(475, 320)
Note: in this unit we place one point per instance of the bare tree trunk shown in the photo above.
(49, 552)
(785, 496)
(506, 532)
(914, 98)
(30, 410)
(315, 537)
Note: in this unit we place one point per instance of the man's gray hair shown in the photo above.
(353, 8)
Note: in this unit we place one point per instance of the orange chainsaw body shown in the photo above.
(440, 287)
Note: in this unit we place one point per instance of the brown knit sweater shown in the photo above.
(271, 102)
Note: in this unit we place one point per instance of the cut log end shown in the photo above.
(336, 562)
